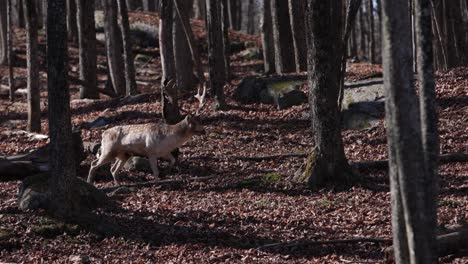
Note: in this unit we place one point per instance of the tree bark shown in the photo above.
(131, 86)
(88, 52)
(327, 162)
(72, 28)
(9, 53)
(282, 36)
(412, 219)
(114, 47)
(362, 36)
(371, 32)
(182, 55)
(149, 5)
(297, 14)
(217, 67)
(168, 92)
(34, 108)
(251, 17)
(267, 38)
(191, 42)
(226, 42)
(62, 160)
(3, 32)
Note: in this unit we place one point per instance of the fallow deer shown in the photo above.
(151, 140)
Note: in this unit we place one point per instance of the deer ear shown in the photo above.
(188, 117)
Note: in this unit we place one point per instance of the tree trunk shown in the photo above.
(62, 160)
(191, 41)
(114, 47)
(327, 163)
(216, 52)
(267, 38)
(149, 5)
(226, 42)
(412, 218)
(297, 14)
(3, 32)
(88, 53)
(18, 13)
(168, 92)
(182, 55)
(362, 36)
(251, 17)
(284, 54)
(71, 21)
(9, 53)
(371, 32)
(131, 86)
(34, 108)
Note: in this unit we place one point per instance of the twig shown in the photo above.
(324, 242)
(155, 183)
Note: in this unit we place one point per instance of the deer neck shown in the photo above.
(181, 131)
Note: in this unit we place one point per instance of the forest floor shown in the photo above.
(248, 205)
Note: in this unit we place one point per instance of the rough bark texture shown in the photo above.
(3, 32)
(216, 52)
(72, 28)
(34, 108)
(267, 38)
(168, 92)
(282, 36)
(327, 163)
(428, 110)
(62, 161)
(130, 81)
(87, 44)
(182, 55)
(226, 42)
(114, 47)
(191, 41)
(297, 9)
(414, 241)
(371, 32)
(9, 54)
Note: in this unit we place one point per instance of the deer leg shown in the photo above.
(117, 167)
(154, 166)
(171, 160)
(104, 159)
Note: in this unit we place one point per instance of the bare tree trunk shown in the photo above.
(71, 21)
(362, 36)
(88, 53)
(227, 44)
(407, 170)
(39, 12)
(131, 86)
(297, 10)
(9, 55)
(3, 32)
(114, 47)
(327, 162)
(34, 108)
(250, 18)
(267, 38)
(191, 41)
(216, 53)
(149, 5)
(371, 32)
(62, 160)
(18, 13)
(284, 55)
(168, 92)
(182, 55)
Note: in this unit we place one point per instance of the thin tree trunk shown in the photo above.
(114, 47)
(216, 53)
(284, 55)
(88, 53)
(428, 114)
(267, 38)
(362, 36)
(182, 55)
(297, 14)
(168, 92)
(250, 18)
(191, 41)
(408, 174)
(371, 32)
(34, 108)
(11, 82)
(149, 5)
(3, 32)
(131, 86)
(62, 160)
(71, 21)
(227, 44)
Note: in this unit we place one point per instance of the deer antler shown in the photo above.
(201, 98)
